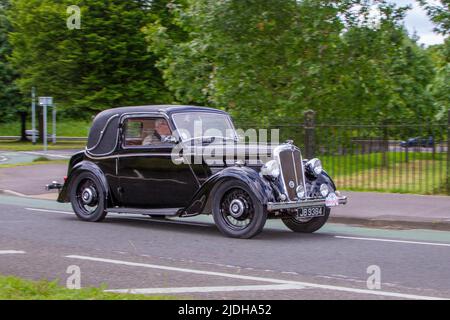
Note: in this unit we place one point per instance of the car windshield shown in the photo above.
(197, 125)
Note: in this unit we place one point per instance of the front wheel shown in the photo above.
(237, 211)
(310, 225)
(88, 198)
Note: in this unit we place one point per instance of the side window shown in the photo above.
(134, 130)
(146, 132)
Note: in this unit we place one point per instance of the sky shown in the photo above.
(418, 21)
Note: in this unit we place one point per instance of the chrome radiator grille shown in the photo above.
(292, 173)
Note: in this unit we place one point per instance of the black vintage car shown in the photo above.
(150, 160)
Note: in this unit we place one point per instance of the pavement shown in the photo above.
(14, 157)
(394, 211)
(191, 259)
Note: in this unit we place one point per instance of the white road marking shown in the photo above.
(17, 194)
(3, 159)
(396, 241)
(11, 252)
(260, 279)
(271, 287)
(50, 211)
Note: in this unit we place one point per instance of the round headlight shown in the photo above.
(324, 190)
(315, 166)
(271, 169)
(300, 191)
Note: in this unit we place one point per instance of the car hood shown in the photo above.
(230, 154)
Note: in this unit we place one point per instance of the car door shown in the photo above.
(148, 176)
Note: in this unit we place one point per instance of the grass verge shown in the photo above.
(14, 288)
(34, 163)
(28, 146)
(64, 128)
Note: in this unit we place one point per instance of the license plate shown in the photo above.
(310, 212)
(332, 200)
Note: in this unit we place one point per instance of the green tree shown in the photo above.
(263, 59)
(440, 86)
(388, 73)
(251, 56)
(10, 98)
(439, 13)
(102, 65)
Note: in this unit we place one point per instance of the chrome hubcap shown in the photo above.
(88, 196)
(237, 208)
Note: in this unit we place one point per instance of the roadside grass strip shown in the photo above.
(14, 288)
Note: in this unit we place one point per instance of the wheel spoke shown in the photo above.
(87, 206)
(237, 209)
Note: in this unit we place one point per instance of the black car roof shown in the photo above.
(103, 134)
(167, 109)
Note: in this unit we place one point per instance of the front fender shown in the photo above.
(64, 195)
(322, 178)
(325, 178)
(260, 186)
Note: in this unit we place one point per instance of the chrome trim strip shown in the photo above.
(88, 150)
(172, 212)
(130, 155)
(276, 154)
(295, 167)
(275, 206)
(124, 115)
(303, 173)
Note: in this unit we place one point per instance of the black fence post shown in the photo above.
(310, 127)
(23, 126)
(385, 146)
(448, 152)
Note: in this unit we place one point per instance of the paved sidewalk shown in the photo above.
(13, 157)
(368, 209)
(31, 180)
(394, 210)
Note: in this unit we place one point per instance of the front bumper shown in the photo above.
(276, 206)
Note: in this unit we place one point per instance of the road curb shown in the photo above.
(441, 225)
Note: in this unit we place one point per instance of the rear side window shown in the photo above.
(145, 131)
(134, 129)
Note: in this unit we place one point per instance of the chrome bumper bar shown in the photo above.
(275, 206)
(53, 186)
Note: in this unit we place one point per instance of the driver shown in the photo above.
(160, 135)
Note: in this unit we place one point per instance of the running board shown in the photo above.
(169, 212)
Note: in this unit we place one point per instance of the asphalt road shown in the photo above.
(191, 259)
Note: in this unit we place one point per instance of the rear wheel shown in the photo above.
(307, 225)
(87, 197)
(237, 211)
